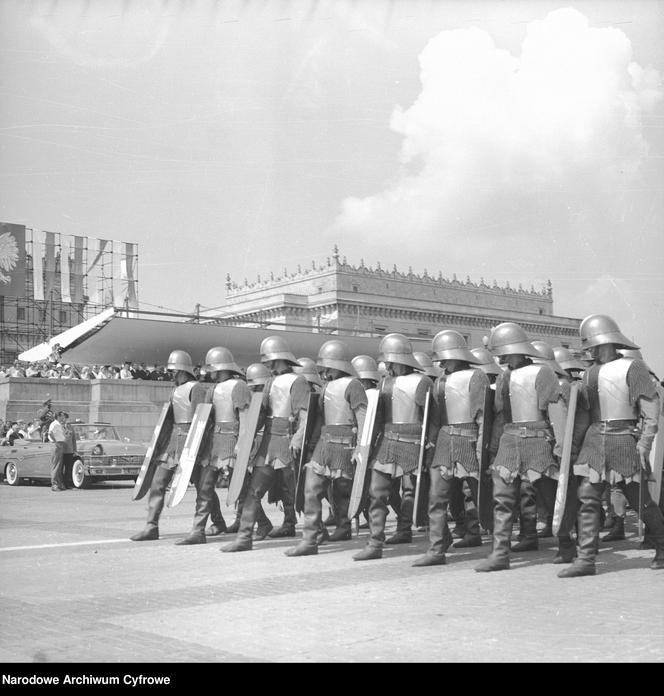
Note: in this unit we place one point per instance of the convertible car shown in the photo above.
(101, 454)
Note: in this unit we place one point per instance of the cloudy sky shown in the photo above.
(515, 141)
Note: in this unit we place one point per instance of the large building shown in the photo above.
(358, 300)
(51, 281)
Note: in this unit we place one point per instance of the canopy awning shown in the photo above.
(119, 339)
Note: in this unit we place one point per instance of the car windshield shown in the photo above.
(95, 432)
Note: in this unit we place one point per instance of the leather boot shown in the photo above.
(302, 549)
(566, 550)
(341, 489)
(468, 541)
(547, 531)
(322, 536)
(156, 498)
(263, 530)
(368, 553)
(207, 502)
(215, 530)
(402, 537)
(505, 504)
(429, 560)
(314, 532)
(617, 533)
(588, 522)
(528, 510)
(260, 482)
(609, 522)
(193, 538)
(654, 522)
(473, 536)
(330, 520)
(233, 529)
(287, 529)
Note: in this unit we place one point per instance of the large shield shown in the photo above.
(192, 446)
(565, 459)
(656, 462)
(244, 446)
(160, 436)
(418, 504)
(301, 474)
(363, 453)
(485, 482)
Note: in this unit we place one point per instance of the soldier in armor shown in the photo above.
(257, 375)
(187, 393)
(616, 445)
(340, 416)
(230, 401)
(285, 402)
(487, 364)
(572, 366)
(403, 395)
(459, 396)
(530, 400)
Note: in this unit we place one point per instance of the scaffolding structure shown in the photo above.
(68, 279)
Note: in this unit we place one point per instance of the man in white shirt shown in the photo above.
(56, 435)
(125, 371)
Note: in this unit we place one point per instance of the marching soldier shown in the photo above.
(230, 400)
(257, 375)
(487, 364)
(459, 396)
(615, 448)
(572, 366)
(530, 399)
(341, 411)
(285, 402)
(403, 395)
(187, 393)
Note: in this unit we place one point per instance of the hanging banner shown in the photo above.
(38, 264)
(119, 285)
(49, 265)
(77, 272)
(131, 262)
(12, 260)
(65, 261)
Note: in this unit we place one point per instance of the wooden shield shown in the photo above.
(244, 446)
(485, 482)
(656, 462)
(160, 436)
(192, 446)
(301, 474)
(363, 454)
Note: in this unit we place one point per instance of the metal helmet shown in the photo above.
(366, 367)
(631, 353)
(220, 358)
(547, 357)
(396, 348)
(566, 359)
(307, 368)
(180, 360)
(426, 364)
(335, 354)
(451, 345)
(509, 338)
(485, 361)
(382, 369)
(599, 329)
(276, 348)
(257, 374)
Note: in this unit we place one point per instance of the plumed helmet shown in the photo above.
(335, 354)
(366, 367)
(485, 361)
(257, 374)
(276, 348)
(509, 338)
(307, 368)
(451, 345)
(180, 360)
(396, 348)
(220, 358)
(566, 359)
(599, 329)
(547, 357)
(426, 365)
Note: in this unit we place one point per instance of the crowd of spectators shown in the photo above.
(48, 369)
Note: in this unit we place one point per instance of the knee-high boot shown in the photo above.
(156, 498)
(505, 498)
(472, 537)
(589, 522)
(652, 517)
(261, 480)
(314, 490)
(528, 510)
(440, 536)
(379, 492)
(341, 489)
(205, 502)
(287, 529)
(404, 533)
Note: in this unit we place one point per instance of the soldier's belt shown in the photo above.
(182, 425)
(461, 429)
(535, 429)
(226, 428)
(617, 427)
(337, 439)
(398, 437)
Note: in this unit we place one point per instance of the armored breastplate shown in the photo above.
(222, 399)
(613, 391)
(404, 408)
(523, 395)
(457, 397)
(183, 410)
(337, 410)
(280, 397)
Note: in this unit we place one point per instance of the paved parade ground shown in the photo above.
(75, 589)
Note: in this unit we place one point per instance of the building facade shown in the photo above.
(340, 298)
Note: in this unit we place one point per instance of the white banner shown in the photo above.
(119, 284)
(38, 264)
(65, 282)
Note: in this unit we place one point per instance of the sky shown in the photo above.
(510, 141)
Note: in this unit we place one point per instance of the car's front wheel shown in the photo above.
(11, 474)
(78, 476)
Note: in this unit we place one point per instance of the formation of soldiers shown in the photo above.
(505, 429)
